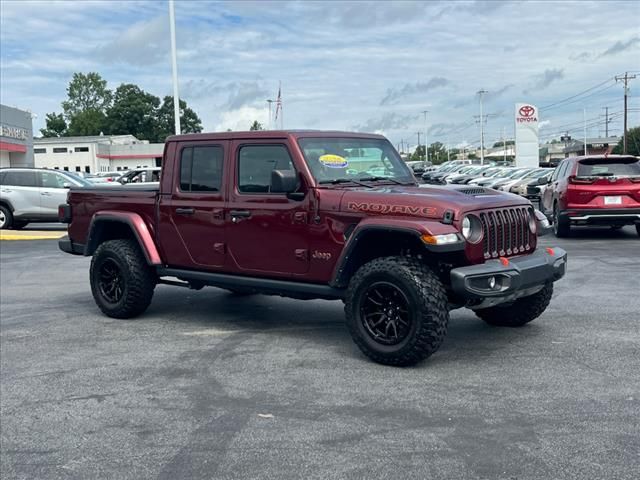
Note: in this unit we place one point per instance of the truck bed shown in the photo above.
(86, 201)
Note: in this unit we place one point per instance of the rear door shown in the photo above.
(192, 214)
(20, 188)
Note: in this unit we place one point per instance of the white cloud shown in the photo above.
(335, 64)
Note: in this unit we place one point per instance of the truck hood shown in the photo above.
(426, 201)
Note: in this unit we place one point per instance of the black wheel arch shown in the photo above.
(374, 241)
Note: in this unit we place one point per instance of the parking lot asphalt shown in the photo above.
(210, 385)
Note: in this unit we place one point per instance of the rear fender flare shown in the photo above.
(136, 224)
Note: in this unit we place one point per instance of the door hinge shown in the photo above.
(300, 217)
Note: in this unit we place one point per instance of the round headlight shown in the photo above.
(471, 228)
(533, 224)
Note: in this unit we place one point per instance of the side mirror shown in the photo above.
(544, 181)
(284, 181)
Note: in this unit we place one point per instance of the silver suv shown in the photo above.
(32, 195)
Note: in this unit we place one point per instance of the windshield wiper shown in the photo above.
(337, 181)
(374, 179)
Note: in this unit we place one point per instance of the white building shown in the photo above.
(92, 154)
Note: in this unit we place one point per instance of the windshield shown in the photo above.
(332, 160)
(76, 180)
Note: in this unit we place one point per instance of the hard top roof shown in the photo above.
(270, 134)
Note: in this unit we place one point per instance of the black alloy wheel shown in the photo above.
(110, 281)
(385, 313)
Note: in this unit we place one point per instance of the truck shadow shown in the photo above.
(322, 323)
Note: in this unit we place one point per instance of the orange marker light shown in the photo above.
(504, 261)
(549, 250)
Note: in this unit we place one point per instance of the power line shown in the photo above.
(625, 79)
(559, 102)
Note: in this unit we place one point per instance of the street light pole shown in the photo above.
(269, 101)
(174, 66)
(426, 136)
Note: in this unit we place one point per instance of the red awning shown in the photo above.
(13, 147)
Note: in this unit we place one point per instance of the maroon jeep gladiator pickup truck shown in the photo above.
(308, 214)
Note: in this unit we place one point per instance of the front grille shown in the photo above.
(506, 232)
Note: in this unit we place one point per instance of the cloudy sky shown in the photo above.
(369, 66)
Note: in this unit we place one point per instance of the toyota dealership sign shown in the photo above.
(527, 135)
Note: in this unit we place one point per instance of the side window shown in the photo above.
(556, 172)
(255, 164)
(201, 169)
(21, 179)
(52, 180)
(563, 170)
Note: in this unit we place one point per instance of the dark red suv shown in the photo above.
(594, 190)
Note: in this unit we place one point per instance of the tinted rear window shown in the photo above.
(609, 167)
(20, 179)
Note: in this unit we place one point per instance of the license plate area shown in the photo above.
(617, 200)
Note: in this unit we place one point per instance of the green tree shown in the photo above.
(134, 112)
(256, 125)
(633, 143)
(56, 125)
(189, 120)
(88, 122)
(500, 144)
(86, 92)
(418, 154)
(88, 99)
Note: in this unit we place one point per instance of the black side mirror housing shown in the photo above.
(284, 181)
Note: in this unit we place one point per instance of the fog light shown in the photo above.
(492, 282)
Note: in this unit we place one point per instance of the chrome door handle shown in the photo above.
(240, 213)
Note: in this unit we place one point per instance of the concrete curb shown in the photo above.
(30, 235)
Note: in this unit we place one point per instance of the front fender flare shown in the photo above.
(415, 228)
(137, 225)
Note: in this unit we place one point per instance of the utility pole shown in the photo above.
(504, 146)
(584, 117)
(418, 147)
(606, 122)
(481, 92)
(625, 79)
(426, 136)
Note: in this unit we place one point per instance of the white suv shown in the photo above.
(30, 195)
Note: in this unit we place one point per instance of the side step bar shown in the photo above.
(260, 285)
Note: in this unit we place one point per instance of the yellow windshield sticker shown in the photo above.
(333, 161)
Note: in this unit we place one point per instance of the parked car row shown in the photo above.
(593, 190)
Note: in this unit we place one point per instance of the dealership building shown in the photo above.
(16, 137)
(94, 154)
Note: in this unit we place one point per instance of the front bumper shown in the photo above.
(495, 282)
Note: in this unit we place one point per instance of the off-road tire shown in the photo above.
(561, 226)
(520, 312)
(6, 218)
(138, 279)
(427, 306)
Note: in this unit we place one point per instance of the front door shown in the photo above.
(192, 215)
(267, 233)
